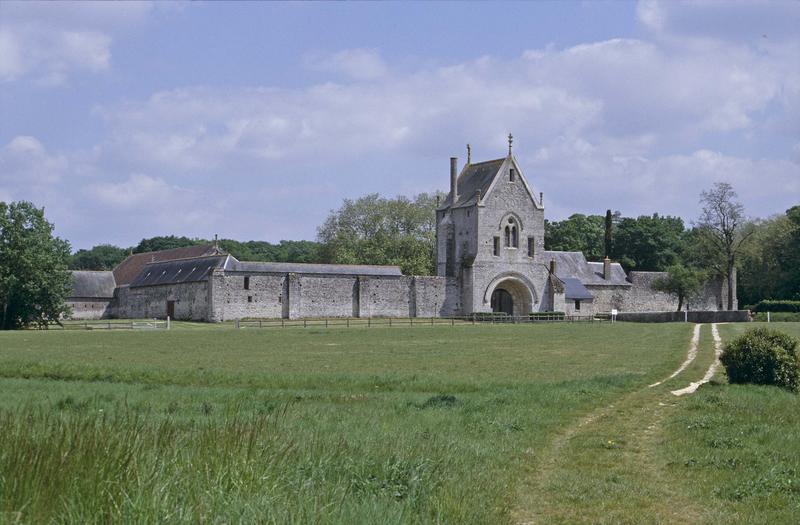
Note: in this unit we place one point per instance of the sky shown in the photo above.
(254, 120)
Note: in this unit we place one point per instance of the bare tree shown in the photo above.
(721, 227)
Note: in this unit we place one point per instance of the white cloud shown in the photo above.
(47, 41)
(360, 64)
(24, 162)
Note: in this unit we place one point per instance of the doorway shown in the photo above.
(502, 301)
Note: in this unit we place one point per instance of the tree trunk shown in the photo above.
(680, 302)
(730, 283)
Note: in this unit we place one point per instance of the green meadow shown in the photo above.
(535, 423)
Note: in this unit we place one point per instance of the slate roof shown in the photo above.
(320, 269)
(575, 290)
(87, 284)
(129, 269)
(574, 265)
(194, 269)
(474, 177)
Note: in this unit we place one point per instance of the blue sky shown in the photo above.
(253, 120)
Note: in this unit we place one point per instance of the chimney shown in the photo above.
(541, 198)
(607, 268)
(453, 180)
(552, 266)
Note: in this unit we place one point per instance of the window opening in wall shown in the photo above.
(512, 175)
(496, 247)
(247, 283)
(531, 246)
(514, 237)
(249, 298)
(577, 304)
(280, 299)
(508, 236)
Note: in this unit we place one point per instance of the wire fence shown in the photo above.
(368, 322)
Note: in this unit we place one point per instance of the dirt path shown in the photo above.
(604, 468)
(712, 369)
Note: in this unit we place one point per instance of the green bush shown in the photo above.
(764, 357)
(776, 306)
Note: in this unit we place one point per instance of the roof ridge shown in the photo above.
(483, 162)
(190, 258)
(324, 264)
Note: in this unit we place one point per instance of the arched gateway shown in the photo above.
(512, 294)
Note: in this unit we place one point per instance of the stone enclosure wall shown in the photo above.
(91, 308)
(296, 296)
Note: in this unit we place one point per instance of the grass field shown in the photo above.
(469, 424)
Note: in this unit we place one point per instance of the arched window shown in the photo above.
(508, 236)
(514, 237)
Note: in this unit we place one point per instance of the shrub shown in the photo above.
(764, 357)
(776, 306)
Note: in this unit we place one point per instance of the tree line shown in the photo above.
(35, 280)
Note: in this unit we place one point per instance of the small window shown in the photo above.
(514, 237)
(247, 283)
(531, 246)
(496, 247)
(577, 304)
(249, 298)
(280, 299)
(512, 175)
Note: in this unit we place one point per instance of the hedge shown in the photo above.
(770, 305)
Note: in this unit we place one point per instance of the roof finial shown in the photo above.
(469, 154)
(216, 243)
(510, 142)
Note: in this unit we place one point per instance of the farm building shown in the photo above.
(490, 258)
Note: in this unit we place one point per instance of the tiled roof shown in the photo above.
(574, 265)
(179, 270)
(575, 290)
(474, 177)
(130, 268)
(86, 284)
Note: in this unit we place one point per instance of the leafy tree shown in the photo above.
(578, 233)
(167, 242)
(649, 243)
(34, 280)
(377, 230)
(100, 257)
(721, 231)
(682, 282)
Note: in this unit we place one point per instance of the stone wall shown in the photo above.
(296, 296)
(264, 298)
(91, 308)
(703, 316)
(148, 302)
(326, 296)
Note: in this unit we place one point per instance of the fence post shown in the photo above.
(767, 315)
(390, 321)
(326, 322)
(168, 320)
(348, 322)
(305, 325)
(282, 322)
(412, 321)
(369, 322)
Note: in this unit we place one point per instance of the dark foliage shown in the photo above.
(764, 357)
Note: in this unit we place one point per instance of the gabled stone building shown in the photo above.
(490, 258)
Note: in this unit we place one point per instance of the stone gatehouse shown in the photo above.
(490, 258)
